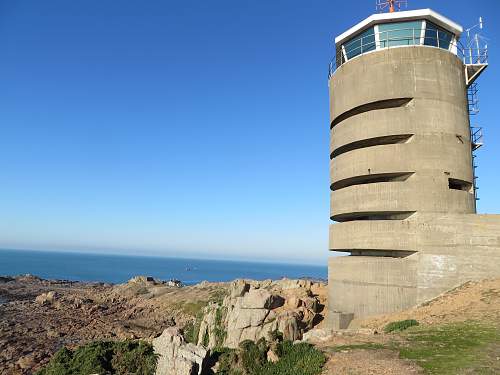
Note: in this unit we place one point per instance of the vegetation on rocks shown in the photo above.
(400, 325)
(104, 357)
(191, 330)
(219, 328)
(251, 358)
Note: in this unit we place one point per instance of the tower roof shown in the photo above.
(410, 15)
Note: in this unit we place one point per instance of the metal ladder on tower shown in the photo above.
(476, 141)
(475, 58)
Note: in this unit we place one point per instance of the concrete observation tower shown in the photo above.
(403, 186)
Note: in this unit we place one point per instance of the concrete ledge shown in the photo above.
(449, 155)
(340, 320)
(400, 196)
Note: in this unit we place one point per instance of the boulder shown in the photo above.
(260, 299)
(174, 283)
(142, 280)
(308, 317)
(207, 327)
(286, 284)
(311, 303)
(238, 288)
(293, 302)
(46, 298)
(244, 318)
(255, 309)
(317, 334)
(272, 356)
(289, 326)
(176, 357)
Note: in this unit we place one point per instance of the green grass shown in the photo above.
(142, 291)
(451, 348)
(296, 359)
(448, 349)
(193, 308)
(217, 296)
(219, 329)
(191, 331)
(104, 357)
(400, 325)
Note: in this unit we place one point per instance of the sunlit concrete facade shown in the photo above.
(402, 178)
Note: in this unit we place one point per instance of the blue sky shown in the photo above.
(186, 128)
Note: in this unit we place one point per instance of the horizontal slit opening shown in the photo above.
(370, 179)
(377, 215)
(370, 142)
(378, 253)
(373, 106)
(455, 184)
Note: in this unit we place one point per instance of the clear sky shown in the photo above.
(186, 128)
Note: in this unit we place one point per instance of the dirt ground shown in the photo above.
(473, 301)
(370, 362)
(478, 301)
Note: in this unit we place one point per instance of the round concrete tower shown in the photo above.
(400, 153)
(400, 139)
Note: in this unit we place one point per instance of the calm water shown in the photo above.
(118, 268)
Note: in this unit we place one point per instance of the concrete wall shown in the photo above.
(450, 250)
(455, 249)
(427, 86)
(399, 146)
(371, 285)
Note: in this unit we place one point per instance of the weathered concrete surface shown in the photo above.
(451, 249)
(367, 285)
(339, 320)
(434, 115)
(401, 179)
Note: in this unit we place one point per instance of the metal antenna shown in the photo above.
(390, 5)
(476, 47)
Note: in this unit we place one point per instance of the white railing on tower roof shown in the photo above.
(414, 37)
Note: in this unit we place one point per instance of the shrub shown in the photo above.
(104, 357)
(253, 355)
(228, 359)
(191, 331)
(219, 329)
(134, 358)
(251, 359)
(296, 359)
(400, 325)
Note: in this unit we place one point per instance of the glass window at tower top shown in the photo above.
(396, 34)
(437, 37)
(362, 43)
(400, 34)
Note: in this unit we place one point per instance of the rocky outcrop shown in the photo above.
(46, 298)
(149, 281)
(38, 317)
(176, 357)
(254, 310)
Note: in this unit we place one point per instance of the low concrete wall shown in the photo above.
(455, 249)
(371, 285)
(450, 250)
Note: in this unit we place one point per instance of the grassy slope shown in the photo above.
(447, 349)
(454, 348)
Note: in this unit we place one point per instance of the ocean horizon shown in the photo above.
(114, 268)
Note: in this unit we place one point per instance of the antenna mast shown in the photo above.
(391, 5)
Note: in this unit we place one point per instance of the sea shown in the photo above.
(115, 269)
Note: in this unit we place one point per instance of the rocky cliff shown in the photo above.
(255, 309)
